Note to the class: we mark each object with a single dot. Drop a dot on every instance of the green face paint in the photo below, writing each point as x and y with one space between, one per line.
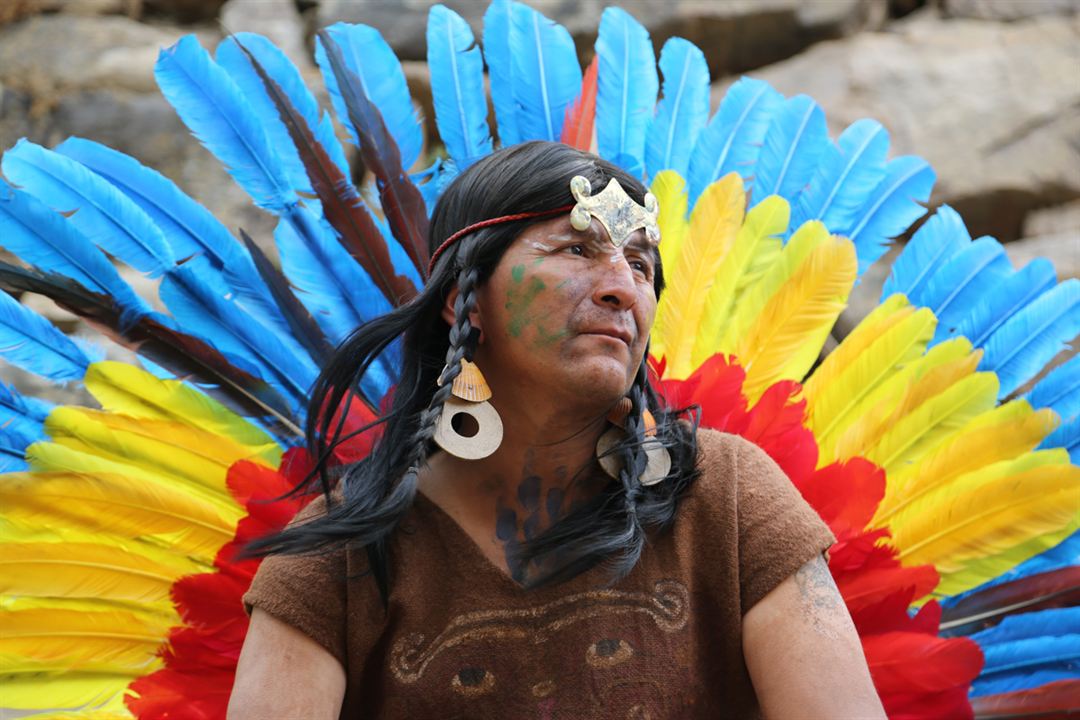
519 300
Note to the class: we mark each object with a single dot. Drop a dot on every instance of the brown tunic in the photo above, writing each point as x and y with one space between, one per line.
462 640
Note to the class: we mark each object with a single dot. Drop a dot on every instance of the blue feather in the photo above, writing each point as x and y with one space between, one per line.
682 113
101 212
46 240
277 65
368 55
941 237
626 87
547 77
896 203
216 111
1028 650
13 404
1066 436
996 306
793 145
501 70
846 176
1021 347
337 291
732 140
1060 389
13 444
34 344
203 312
188 227
962 282
431 181
457 86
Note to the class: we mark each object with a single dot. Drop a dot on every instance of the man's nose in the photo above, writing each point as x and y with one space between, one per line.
615 284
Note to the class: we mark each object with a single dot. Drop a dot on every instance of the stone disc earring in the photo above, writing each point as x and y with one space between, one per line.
469 427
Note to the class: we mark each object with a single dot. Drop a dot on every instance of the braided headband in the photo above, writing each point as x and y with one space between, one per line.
615 210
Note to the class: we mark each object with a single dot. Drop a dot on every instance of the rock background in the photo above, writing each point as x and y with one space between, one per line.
987 90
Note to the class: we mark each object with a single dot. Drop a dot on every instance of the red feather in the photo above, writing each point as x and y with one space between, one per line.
578 124
846 495
910 670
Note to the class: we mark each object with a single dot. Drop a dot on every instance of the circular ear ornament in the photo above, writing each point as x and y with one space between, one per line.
659 459
469 430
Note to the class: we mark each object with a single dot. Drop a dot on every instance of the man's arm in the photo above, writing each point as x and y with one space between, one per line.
803 652
282 673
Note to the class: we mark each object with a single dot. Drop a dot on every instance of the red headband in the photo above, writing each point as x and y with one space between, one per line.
487 223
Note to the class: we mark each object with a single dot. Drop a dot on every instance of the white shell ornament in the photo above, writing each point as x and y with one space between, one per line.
484 442
470 384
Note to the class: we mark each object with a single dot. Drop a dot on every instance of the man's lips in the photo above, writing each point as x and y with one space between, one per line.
612 332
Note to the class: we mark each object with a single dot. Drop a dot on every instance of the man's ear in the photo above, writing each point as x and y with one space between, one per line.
448 312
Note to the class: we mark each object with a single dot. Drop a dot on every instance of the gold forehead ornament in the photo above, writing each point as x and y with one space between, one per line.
615 210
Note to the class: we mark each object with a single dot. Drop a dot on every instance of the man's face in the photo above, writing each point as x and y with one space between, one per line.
568 313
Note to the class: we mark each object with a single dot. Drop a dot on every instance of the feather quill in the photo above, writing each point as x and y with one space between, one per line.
682 112
732 140
897 202
546 74
216 111
34 344
757 247
714 226
627 90
379 76
457 86
98 210
932 245
500 64
989 603
793 145
1022 346
401 201
846 176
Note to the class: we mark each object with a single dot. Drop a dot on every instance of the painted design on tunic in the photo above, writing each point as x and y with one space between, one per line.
609 661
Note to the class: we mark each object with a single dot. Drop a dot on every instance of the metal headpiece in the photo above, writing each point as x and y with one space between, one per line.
615 210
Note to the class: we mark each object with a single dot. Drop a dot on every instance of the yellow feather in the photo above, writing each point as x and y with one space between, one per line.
115 504
103 693
757 246
669 187
976 572
785 339
755 297
892 335
872 416
714 225
671 194
81 458
128 390
988 511
127 571
109 641
119 712
1003 433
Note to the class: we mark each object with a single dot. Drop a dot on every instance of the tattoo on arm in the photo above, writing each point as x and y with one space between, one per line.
819 599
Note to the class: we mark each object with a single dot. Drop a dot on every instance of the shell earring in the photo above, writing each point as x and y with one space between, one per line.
659 459
469 427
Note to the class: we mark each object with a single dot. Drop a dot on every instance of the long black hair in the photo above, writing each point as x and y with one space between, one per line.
373 495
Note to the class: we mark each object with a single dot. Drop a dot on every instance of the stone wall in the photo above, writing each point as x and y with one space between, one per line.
987 90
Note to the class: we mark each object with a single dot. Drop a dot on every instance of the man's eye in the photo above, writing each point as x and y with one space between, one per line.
575 249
